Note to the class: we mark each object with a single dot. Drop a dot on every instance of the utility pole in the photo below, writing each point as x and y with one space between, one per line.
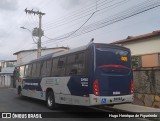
37 31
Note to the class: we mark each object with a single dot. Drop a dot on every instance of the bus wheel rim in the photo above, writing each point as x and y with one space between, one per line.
50 101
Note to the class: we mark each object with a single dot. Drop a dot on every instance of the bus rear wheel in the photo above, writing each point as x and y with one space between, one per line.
51 101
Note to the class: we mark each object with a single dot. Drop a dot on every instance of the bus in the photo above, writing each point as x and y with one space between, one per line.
91 75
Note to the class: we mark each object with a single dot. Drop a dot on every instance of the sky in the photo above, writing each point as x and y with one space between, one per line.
65 16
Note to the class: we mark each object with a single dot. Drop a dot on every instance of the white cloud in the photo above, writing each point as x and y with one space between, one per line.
3 33
8 5
69 4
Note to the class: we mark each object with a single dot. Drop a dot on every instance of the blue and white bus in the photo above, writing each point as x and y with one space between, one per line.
95 74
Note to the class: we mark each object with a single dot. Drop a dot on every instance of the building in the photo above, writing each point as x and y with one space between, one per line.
145 49
6 73
7 67
24 56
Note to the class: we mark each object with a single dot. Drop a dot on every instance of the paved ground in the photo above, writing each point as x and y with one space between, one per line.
10 102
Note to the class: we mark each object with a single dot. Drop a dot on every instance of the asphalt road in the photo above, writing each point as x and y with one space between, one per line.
10 102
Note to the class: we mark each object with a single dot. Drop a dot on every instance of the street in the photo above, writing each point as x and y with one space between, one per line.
10 102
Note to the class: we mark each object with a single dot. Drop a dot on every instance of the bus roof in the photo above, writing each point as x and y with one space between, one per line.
64 52
56 54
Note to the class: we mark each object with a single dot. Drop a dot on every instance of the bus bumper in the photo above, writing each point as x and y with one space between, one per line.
110 100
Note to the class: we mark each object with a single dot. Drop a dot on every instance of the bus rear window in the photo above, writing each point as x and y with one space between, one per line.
105 56
116 51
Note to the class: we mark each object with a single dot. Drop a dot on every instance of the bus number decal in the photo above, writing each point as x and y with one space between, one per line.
124 58
84 82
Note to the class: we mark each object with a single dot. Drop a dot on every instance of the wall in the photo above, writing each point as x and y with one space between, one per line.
147 87
5 80
6 77
150 60
145 46
8 70
24 57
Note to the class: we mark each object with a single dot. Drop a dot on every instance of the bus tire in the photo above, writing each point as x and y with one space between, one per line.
51 101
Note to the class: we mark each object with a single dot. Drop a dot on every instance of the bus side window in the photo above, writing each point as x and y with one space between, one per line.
75 64
80 63
48 69
28 70
61 66
25 70
34 68
43 69
70 70
38 69
21 71
54 67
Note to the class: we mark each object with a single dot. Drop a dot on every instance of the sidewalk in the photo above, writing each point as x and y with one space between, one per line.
136 108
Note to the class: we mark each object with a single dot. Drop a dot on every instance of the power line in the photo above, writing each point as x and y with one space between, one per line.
108 21
111 21
79 14
77 29
108 8
97 25
117 16
91 25
81 10
80 17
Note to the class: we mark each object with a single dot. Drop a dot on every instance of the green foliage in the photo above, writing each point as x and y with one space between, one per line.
136 62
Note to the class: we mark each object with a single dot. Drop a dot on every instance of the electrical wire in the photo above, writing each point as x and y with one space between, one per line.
71 33
79 14
108 8
75 30
143 7
72 15
107 21
79 17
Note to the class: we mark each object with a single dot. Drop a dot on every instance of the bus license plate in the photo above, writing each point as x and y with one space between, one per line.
117 99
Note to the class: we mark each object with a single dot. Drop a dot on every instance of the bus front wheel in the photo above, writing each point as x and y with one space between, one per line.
51 100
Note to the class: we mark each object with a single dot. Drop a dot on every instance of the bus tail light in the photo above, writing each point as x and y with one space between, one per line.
131 87
96 88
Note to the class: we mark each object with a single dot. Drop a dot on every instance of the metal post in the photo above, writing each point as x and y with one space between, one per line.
40 32
39 40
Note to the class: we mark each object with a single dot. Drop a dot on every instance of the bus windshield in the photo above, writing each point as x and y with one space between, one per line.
112 56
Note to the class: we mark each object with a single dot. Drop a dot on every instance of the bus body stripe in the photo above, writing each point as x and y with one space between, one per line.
113 66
